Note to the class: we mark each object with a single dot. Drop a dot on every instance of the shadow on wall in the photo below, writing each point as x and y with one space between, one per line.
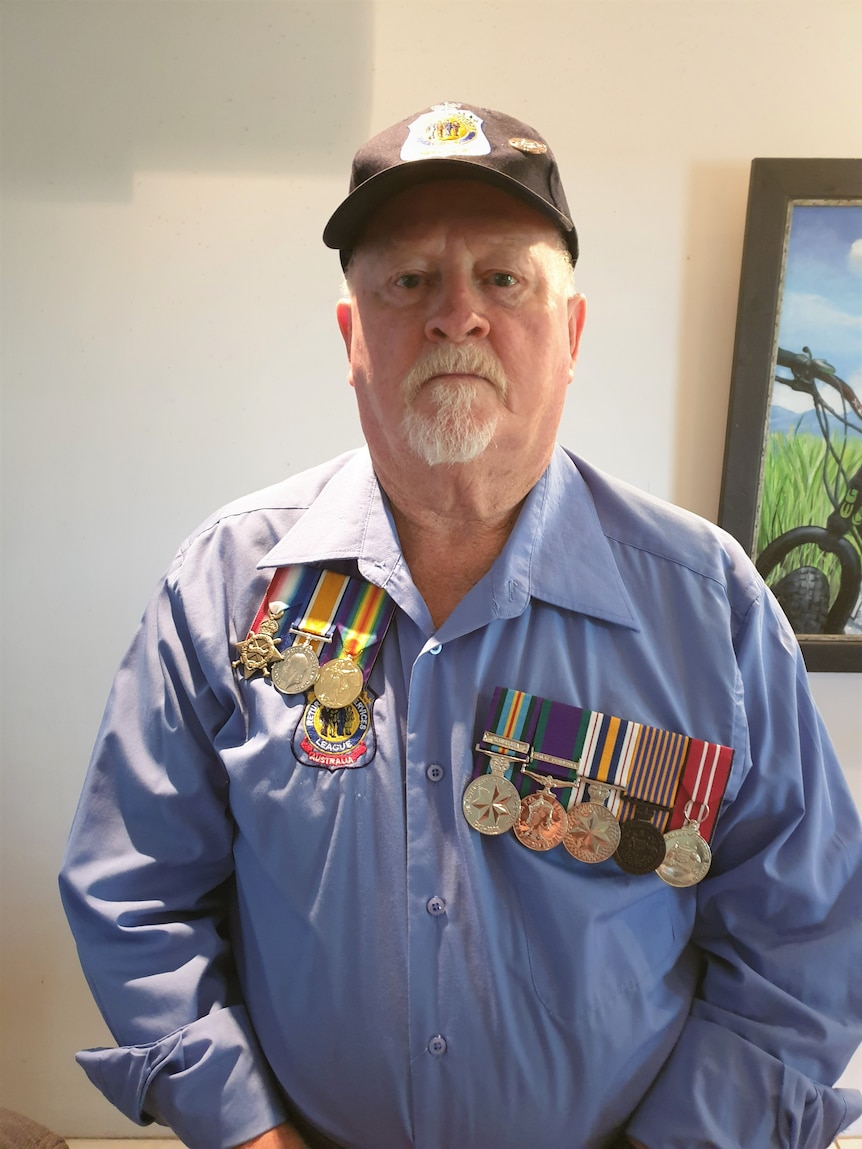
273 86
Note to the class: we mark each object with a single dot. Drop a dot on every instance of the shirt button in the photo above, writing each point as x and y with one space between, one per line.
437 1045
435 772
435 649
435 906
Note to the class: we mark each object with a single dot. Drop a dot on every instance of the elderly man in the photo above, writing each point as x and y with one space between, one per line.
453 794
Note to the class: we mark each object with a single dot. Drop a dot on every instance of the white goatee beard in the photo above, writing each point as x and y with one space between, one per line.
452 432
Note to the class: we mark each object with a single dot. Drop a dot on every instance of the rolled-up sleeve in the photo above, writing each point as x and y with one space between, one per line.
175 1080
146 885
779 924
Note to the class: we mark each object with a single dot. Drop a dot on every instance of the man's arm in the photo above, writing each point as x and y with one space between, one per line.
147 884
779 1009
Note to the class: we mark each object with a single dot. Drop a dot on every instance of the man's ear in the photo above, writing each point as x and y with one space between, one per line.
344 318
577 318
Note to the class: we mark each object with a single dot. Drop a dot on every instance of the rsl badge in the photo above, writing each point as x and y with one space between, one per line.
336 737
447 130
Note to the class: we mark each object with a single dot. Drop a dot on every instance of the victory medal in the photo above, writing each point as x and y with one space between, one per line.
339 683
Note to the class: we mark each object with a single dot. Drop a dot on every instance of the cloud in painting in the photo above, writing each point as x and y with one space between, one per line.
854 258
832 333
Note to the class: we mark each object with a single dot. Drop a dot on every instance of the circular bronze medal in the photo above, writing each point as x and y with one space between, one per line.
593 832
339 683
688 857
296 671
642 847
541 823
491 804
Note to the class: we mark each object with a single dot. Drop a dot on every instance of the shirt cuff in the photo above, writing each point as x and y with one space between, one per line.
209 1081
718 1090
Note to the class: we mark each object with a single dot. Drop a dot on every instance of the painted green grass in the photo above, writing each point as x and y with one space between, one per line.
793 495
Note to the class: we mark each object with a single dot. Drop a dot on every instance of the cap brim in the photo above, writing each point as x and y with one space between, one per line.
347 222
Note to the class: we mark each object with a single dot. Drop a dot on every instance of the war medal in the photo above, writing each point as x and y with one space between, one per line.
641 785
542 821
688 855
593 833
491 803
299 667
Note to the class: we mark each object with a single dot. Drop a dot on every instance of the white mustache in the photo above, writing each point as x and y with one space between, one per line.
452 359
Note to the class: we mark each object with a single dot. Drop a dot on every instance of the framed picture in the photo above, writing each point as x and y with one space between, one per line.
792 481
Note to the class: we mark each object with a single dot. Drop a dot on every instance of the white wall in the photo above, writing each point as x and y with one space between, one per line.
168 340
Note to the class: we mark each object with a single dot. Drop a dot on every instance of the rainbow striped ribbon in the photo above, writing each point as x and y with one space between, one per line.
365 616
345 615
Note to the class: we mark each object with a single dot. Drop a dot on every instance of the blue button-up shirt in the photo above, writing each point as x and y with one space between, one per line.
253 926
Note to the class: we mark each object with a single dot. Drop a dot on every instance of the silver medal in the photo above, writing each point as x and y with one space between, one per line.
593 832
688 856
491 803
297 670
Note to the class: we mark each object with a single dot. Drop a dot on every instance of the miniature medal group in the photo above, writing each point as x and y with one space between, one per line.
589 831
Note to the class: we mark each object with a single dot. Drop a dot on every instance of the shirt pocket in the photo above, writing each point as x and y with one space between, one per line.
598 938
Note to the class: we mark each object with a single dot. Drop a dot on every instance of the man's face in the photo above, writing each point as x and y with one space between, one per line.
462 330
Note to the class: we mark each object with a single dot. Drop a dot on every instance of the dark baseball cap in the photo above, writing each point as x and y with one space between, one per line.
451 141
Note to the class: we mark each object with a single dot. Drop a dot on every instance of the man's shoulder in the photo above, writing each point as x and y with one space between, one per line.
252 524
634 519
285 500
294 493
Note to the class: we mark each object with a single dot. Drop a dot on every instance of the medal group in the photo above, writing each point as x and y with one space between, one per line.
553 774
626 791
338 623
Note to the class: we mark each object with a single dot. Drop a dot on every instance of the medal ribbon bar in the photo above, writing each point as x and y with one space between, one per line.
654 776
318 622
532 727
642 764
291 586
704 778
313 605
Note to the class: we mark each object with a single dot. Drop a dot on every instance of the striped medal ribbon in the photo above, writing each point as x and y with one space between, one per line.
324 612
688 856
530 753
361 625
290 587
312 631
624 783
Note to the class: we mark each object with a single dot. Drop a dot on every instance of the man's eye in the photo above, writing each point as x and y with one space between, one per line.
410 279
503 279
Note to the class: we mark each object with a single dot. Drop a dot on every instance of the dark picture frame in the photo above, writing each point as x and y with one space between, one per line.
763 475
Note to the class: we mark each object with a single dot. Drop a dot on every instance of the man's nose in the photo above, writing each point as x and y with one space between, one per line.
457 314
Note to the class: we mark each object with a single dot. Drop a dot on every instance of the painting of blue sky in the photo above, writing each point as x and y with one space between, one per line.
821 302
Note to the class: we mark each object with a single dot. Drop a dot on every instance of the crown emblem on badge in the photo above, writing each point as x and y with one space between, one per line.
448 130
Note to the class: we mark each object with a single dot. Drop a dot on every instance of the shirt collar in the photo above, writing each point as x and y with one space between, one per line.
348 520
557 551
